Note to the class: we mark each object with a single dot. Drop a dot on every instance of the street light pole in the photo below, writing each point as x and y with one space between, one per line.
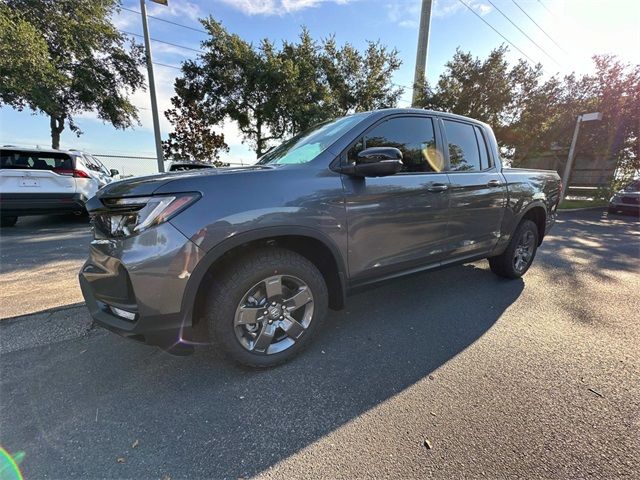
152 86
585 117
423 48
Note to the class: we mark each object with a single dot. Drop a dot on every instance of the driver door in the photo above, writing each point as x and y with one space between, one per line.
398 222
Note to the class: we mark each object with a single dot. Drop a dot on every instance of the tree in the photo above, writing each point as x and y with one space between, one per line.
529 115
357 81
74 60
192 138
238 82
25 70
511 99
275 92
614 90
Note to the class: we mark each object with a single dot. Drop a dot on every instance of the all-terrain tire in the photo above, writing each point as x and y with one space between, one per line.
229 287
504 265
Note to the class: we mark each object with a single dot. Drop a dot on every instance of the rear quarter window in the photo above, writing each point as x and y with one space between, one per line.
27 160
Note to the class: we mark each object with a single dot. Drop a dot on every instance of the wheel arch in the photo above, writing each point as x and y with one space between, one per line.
537 213
311 244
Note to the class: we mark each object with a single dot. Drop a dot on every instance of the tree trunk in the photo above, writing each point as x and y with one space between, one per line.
57 126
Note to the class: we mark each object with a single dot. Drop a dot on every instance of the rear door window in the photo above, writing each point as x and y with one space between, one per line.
91 163
485 160
101 165
28 160
464 154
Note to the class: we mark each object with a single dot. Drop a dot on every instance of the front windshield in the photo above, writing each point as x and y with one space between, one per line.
633 187
307 145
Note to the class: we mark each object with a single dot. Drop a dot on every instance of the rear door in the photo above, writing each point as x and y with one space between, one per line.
26 171
477 189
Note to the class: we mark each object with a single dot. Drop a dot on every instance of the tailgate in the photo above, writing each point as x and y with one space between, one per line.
36 172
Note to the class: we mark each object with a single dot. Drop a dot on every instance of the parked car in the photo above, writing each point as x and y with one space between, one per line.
188 165
36 181
251 258
626 200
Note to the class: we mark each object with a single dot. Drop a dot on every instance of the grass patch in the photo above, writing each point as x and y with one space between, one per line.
582 203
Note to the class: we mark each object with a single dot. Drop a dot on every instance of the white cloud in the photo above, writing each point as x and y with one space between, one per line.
125 20
176 9
406 13
276 7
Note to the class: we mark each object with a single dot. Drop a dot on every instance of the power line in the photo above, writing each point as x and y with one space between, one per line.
545 7
163 41
522 31
493 28
168 21
166 66
541 29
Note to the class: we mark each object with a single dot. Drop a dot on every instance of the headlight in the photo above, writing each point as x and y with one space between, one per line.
128 216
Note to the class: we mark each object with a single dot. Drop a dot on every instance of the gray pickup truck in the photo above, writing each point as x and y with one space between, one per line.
249 259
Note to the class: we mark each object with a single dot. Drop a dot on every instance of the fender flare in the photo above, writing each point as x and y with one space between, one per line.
535 204
530 206
215 253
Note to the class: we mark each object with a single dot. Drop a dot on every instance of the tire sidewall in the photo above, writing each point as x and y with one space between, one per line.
221 315
526 225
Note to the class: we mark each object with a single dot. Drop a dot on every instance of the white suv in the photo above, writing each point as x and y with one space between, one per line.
35 181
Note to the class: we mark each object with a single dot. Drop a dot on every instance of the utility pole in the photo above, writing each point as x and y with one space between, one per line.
585 117
152 83
423 48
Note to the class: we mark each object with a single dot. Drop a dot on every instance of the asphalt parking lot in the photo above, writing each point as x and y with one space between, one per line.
534 378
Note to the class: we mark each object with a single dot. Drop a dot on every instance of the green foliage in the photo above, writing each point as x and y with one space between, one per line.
192 138
529 115
25 70
275 92
64 57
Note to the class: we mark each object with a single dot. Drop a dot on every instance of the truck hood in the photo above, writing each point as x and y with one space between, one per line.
142 186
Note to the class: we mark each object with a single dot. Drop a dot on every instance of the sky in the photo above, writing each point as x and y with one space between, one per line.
577 29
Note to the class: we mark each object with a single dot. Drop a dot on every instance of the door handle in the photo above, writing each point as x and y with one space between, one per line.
437 187
494 183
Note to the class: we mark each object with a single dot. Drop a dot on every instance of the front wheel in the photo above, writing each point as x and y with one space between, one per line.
265 307
517 258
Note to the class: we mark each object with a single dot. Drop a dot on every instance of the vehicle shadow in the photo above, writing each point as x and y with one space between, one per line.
84 403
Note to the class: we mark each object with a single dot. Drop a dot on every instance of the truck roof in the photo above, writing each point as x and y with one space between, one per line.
386 111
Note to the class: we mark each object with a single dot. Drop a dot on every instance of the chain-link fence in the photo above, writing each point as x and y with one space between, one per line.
129 165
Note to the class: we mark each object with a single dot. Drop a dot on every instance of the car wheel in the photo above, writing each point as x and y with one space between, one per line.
517 258
612 210
265 307
8 221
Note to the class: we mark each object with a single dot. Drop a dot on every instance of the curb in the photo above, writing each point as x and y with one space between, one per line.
582 209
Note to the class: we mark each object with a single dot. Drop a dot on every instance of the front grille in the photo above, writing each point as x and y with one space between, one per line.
631 200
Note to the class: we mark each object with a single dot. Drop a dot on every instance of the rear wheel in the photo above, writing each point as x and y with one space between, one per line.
517 258
8 221
265 308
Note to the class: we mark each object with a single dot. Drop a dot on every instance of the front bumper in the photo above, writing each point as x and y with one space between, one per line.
135 286
20 204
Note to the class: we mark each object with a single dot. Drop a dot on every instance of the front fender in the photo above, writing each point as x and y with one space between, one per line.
217 252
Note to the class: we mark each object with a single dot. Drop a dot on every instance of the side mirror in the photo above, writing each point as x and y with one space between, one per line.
114 172
376 162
